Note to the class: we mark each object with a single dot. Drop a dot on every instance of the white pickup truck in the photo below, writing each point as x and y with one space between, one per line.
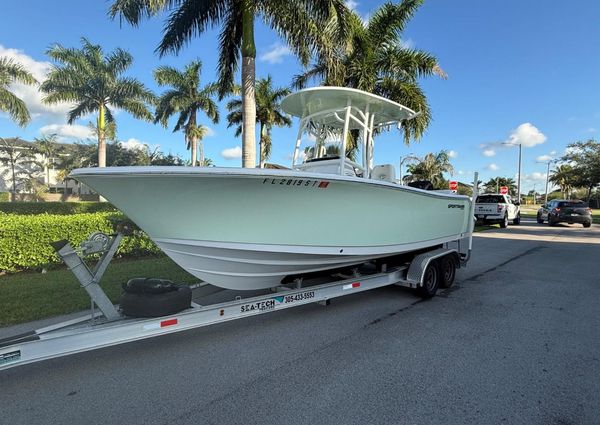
496 208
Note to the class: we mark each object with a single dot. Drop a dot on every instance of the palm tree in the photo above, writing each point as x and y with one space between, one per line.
268 114
49 149
93 81
375 60
494 184
564 177
431 167
186 98
16 156
11 72
294 20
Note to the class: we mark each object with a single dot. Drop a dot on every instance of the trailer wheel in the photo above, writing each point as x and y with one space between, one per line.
447 267
431 281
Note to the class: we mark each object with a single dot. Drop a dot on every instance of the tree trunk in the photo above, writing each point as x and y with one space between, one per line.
200 153
262 147
101 138
248 81
13 195
101 144
190 129
194 145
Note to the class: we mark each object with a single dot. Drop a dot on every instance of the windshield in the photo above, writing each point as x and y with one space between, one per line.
574 204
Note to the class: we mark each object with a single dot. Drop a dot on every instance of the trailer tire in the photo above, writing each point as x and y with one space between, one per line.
156 305
447 268
431 281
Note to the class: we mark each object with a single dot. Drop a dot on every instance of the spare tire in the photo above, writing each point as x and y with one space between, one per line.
148 285
156 304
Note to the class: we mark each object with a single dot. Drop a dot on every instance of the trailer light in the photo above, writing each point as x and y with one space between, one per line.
169 322
351 286
557 209
221 312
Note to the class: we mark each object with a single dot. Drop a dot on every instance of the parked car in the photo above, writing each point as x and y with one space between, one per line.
563 211
496 208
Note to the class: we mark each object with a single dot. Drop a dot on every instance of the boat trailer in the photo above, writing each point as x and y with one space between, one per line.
425 272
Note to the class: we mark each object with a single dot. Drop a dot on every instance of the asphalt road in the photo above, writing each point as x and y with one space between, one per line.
516 341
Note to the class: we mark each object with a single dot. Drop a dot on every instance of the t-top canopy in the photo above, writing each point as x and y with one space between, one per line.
326 102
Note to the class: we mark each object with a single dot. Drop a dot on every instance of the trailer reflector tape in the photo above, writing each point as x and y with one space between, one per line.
158 325
169 322
351 286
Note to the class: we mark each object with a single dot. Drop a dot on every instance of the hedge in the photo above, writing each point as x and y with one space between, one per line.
4 196
63 208
25 239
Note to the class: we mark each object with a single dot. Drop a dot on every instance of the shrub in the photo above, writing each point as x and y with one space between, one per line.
4 196
25 239
62 208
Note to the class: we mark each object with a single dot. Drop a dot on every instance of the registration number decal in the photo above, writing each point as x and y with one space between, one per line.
321 184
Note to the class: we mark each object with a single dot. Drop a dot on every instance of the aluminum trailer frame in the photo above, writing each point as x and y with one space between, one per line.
77 335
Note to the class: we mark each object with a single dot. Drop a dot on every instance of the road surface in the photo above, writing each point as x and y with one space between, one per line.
515 341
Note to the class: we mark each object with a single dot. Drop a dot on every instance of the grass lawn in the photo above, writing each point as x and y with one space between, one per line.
28 296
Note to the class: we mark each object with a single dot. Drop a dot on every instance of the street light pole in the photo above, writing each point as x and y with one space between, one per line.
547 176
519 180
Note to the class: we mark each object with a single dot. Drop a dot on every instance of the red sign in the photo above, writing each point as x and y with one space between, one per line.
453 186
504 190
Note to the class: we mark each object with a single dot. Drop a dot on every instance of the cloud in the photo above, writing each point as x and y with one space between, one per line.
492 167
351 4
489 152
209 132
407 44
461 173
232 153
275 53
30 94
133 144
544 158
526 135
591 130
66 131
452 154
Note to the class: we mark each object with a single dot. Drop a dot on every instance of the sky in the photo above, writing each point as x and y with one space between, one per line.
519 71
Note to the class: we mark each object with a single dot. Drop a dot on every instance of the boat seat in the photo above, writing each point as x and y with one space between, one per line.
385 172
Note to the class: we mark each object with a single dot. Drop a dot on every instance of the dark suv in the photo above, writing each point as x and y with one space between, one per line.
562 211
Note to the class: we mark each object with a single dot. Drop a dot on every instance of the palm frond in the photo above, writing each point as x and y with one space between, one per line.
15 107
230 41
191 18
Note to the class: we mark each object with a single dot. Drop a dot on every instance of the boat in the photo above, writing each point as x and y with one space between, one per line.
245 229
